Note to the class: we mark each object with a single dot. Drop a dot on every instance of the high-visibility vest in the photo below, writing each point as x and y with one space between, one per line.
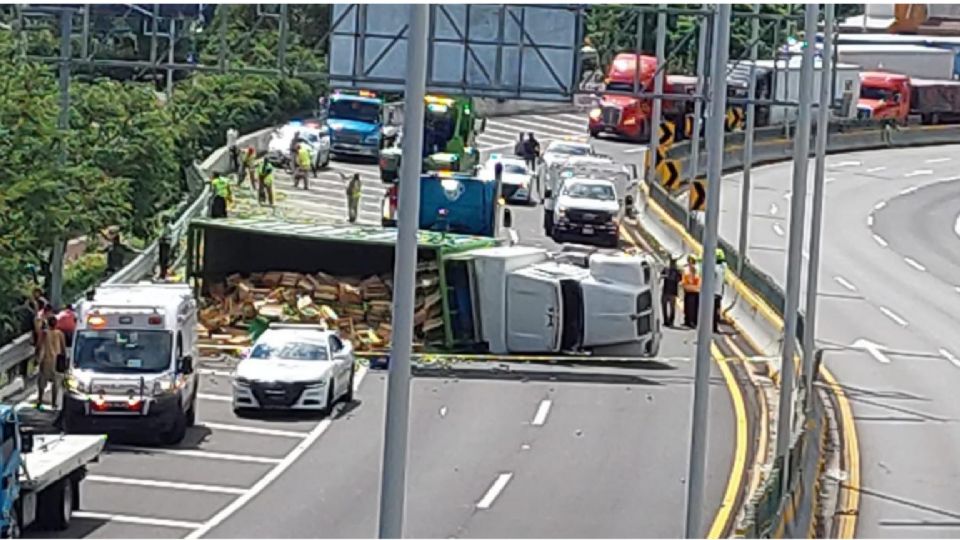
690 281
265 172
221 187
303 157
353 189
248 158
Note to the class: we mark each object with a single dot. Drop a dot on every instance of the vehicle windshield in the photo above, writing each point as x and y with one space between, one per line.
597 192
291 350
512 168
569 149
348 109
439 121
879 94
124 351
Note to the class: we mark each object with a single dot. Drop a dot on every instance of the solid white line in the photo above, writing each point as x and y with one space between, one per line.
909 190
215 372
214 397
876 169
164 485
846 284
256 430
896 318
274 473
541 416
846 164
136 520
915 264
937 160
949 356
773 209
778 229
880 205
880 240
183 452
918 172
870 220
494 491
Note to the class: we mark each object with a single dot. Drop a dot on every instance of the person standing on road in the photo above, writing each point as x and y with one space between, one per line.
691 293
354 190
520 149
719 284
165 247
264 174
294 144
53 351
247 170
234 150
67 324
303 166
221 196
671 285
531 152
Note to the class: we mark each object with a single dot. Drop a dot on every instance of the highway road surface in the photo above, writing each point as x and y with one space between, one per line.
513 450
889 313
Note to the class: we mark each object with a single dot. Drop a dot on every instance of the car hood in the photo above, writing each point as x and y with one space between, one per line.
283 370
588 204
351 126
516 179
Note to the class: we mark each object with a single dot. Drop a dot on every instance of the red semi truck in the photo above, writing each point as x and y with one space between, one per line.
627 116
895 96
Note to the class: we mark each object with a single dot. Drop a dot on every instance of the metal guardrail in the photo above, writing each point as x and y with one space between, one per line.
15 357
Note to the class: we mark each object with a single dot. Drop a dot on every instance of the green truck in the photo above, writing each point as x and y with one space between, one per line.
450 129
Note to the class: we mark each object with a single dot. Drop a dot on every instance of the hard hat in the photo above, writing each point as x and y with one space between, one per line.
720 256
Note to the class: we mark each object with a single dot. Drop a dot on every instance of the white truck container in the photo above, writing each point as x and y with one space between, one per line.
786 86
911 60
528 301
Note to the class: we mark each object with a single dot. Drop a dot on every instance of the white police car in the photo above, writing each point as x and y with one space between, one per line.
294 367
316 137
518 181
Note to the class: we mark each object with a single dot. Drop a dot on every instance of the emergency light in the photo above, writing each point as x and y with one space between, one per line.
96 321
434 107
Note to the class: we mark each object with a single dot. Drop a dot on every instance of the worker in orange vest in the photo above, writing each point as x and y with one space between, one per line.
691 292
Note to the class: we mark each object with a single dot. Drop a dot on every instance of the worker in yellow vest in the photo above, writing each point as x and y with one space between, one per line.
302 166
222 195
264 174
247 162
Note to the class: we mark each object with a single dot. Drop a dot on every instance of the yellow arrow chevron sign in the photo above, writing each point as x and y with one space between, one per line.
661 156
698 195
669 174
668 134
735 118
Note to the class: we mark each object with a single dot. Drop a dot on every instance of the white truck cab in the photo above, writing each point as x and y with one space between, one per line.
623 177
132 365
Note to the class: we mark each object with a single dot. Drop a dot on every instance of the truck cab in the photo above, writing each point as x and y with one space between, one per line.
450 129
450 203
355 123
132 366
884 96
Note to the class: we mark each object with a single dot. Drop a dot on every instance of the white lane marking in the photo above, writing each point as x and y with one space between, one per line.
215 372
846 164
495 138
937 160
542 411
956 226
541 128
873 349
915 264
256 431
880 205
635 150
576 117
214 397
494 491
918 172
829 179
909 190
136 520
879 239
956 289
787 195
870 220
774 209
896 318
949 356
274 473
581 124
876 169
184 452
845 284
372 171
163 484
778 229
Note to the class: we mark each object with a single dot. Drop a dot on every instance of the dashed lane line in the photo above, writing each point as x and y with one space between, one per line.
879 239
876 169
915 264
190 453
778 229
543 410
214 397
950 356
274 473
909 190
937 160
256 431
136 520
918 172
161 484
845 284
495 489
893 316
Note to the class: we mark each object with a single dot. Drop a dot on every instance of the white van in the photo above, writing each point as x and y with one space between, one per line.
132 365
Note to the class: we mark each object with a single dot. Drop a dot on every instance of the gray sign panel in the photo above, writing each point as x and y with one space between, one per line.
484 50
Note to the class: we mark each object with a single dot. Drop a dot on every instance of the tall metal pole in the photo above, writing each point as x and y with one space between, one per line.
284 32
171 59
745 186
655 118
695 136
816 220
63 124
801 154
701 389
393 475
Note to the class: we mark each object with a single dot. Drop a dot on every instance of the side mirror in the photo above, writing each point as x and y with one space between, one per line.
507 218
186 364
26 440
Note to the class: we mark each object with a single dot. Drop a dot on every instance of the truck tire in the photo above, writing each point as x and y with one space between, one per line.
192 414
56 505
178 431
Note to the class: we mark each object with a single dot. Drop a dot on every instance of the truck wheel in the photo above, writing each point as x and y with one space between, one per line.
56 505
178 431
192 415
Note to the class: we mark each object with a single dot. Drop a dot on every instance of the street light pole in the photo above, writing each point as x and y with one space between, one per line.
393 474
63 124
801 155
657 115
816 220
701 388
745 186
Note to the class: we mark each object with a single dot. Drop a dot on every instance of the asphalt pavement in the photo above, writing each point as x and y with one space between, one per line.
550 450
889 309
